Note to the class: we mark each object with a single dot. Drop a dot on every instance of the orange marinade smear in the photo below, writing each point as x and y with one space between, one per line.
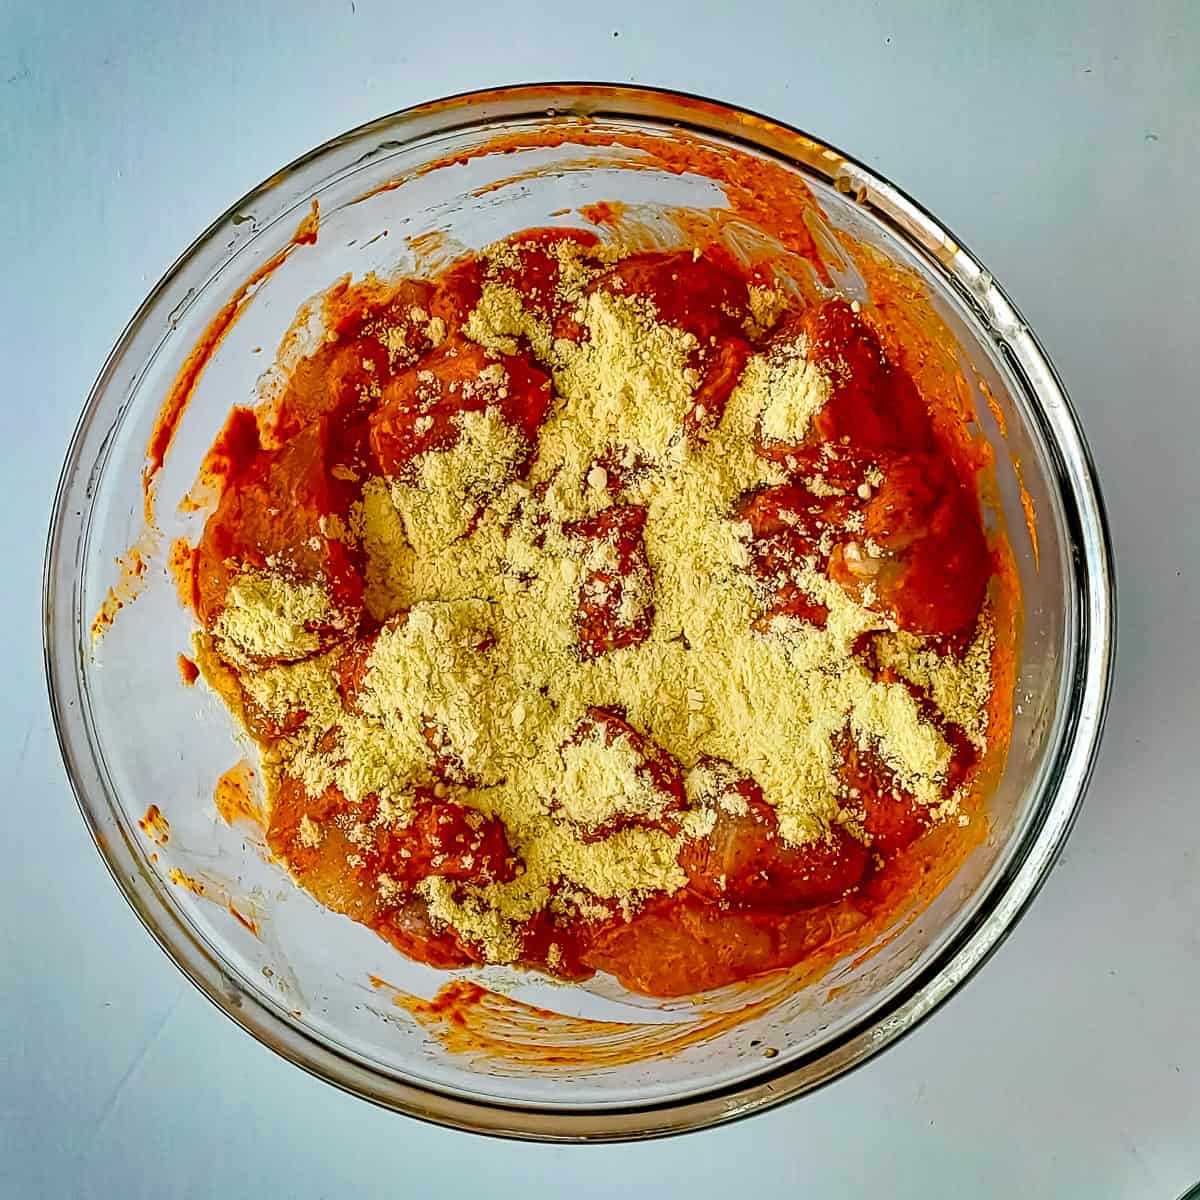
287 476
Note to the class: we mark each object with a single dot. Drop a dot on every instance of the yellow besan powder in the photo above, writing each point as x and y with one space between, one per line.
960 688
481 583
268 616
767 305
790 389
439 505
602 781
390 562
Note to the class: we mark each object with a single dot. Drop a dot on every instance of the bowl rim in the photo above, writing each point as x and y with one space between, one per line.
1010 893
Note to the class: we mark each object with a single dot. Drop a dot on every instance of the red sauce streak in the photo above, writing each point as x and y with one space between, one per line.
190 882
244 921
128 586
176 403
155 826
760 192
477 1022
1028 509
181 565
604 212
234 795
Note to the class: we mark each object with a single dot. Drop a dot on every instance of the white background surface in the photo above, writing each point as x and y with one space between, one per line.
1060 141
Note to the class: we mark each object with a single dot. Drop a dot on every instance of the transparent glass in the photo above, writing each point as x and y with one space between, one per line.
132 735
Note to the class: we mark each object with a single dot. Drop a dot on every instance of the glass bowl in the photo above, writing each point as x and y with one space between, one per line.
531 1059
